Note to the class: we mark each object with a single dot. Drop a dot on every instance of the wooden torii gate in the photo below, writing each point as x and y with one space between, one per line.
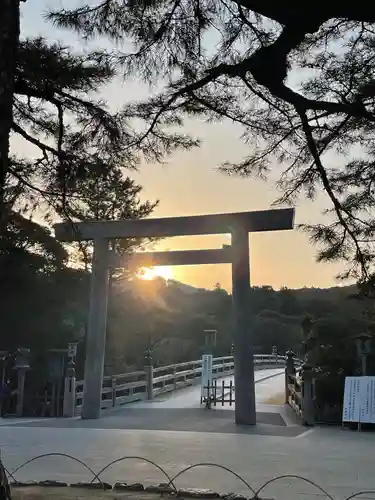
239 225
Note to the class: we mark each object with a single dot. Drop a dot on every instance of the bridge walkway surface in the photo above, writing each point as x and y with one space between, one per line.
189 397
177 437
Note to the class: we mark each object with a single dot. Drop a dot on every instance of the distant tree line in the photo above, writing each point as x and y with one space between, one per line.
47 304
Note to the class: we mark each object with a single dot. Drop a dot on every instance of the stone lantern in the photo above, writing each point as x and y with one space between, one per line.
363 345
22 365
209 341
274 352
290 367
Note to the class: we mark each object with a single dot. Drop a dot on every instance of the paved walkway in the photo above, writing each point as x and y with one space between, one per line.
340 461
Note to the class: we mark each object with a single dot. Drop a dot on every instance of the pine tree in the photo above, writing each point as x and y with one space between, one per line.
9 41
75 136
81 152
249 76
111 196
78 141
81 147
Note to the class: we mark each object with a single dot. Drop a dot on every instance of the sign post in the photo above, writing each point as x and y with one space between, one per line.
206 380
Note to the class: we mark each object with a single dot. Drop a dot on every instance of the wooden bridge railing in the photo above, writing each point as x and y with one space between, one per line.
294 386
299 390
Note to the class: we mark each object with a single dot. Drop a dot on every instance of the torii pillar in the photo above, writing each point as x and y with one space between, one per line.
96 331
245 411
237 224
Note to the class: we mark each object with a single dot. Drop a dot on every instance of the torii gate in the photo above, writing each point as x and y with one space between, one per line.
236 224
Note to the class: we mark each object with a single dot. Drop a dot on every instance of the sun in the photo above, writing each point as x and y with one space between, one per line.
151 273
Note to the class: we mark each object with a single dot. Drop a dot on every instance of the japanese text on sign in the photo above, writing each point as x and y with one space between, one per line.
359 400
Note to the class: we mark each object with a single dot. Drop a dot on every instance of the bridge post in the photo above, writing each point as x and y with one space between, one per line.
149 370
289 370
245 412
307 403
96 332
69 403
113 387
174 378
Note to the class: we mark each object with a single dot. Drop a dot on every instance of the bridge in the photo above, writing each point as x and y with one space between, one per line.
150 383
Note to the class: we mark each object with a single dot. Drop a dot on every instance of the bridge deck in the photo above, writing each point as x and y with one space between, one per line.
190 396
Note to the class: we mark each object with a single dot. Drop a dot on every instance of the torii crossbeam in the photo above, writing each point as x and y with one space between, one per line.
239 225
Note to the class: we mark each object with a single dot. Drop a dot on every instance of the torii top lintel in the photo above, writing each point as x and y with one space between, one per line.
192 225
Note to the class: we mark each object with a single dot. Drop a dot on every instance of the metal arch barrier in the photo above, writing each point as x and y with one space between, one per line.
135 386
170 487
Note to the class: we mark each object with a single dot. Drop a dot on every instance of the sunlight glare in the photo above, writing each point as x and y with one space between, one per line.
151 273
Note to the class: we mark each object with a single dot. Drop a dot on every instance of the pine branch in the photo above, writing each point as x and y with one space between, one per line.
327 186
42 146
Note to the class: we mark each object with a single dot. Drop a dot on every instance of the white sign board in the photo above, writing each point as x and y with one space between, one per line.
367 415
359 400
352 403
206 380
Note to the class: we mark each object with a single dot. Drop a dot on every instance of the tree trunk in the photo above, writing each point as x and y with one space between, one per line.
9 40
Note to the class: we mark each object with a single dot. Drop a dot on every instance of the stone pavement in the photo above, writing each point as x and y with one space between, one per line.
178 419
342 462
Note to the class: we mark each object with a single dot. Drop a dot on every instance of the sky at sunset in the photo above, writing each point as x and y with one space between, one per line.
190 184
